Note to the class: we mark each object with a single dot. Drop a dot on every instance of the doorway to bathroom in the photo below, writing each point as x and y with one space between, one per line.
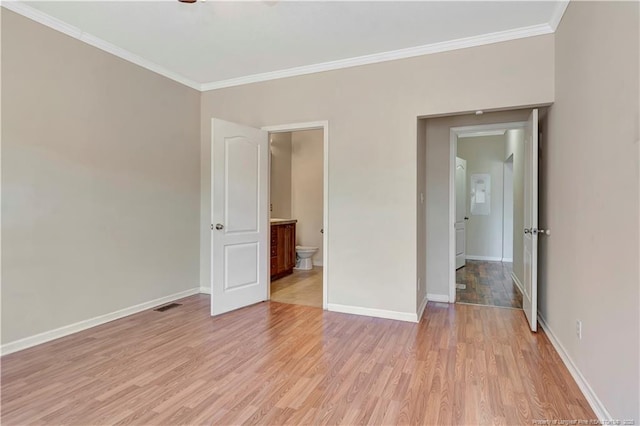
298 212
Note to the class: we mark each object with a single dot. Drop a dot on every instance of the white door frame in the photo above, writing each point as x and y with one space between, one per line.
454 134
313 125
460 223
505 198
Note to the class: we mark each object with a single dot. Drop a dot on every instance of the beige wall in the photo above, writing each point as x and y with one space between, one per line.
372 113
280 183
589 200
437 190
515 146
484 154
306 188
100 182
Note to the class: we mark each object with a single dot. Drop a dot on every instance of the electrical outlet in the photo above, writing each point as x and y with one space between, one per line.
419 283
579 329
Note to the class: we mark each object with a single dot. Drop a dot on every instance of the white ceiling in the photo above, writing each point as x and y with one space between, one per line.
215 44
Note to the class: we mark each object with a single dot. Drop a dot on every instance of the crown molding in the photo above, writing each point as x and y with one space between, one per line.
58 25
557 15
410 52
462 43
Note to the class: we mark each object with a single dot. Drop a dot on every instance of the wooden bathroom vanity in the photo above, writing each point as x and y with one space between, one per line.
283 247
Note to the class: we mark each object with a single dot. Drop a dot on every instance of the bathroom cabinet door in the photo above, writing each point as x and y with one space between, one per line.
283 250
280 249
289 246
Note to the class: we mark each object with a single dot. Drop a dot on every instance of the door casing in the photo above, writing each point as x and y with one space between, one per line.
460 222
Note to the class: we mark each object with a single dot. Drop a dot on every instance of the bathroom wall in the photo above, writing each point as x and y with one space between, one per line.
307 188
280 175
484 154
514 145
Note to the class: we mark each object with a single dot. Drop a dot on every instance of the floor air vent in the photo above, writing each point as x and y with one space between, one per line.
167 307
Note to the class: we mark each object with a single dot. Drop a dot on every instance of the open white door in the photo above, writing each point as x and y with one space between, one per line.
239 216
530 296
461 211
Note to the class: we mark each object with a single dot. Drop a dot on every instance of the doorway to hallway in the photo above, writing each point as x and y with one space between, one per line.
438 256
485 201
482 282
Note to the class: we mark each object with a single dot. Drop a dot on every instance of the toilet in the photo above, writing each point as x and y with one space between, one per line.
303 257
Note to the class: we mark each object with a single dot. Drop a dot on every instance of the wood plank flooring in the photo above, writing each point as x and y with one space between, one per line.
299 288
275 363
488 283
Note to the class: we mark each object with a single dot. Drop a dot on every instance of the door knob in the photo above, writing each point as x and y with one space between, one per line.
219 226
536 231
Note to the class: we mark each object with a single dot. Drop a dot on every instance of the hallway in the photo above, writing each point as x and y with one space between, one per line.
487 283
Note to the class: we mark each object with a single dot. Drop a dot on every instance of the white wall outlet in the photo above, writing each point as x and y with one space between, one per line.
419 283
579 329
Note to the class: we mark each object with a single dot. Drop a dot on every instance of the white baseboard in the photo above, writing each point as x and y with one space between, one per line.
443 298
423 305
596 405
486 258
372 312
507 260
205 290
47 336
518 283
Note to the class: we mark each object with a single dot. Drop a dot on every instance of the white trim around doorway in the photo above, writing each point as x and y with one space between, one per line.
313 125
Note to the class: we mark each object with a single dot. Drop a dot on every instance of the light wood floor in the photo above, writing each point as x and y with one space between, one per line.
299 288
276 363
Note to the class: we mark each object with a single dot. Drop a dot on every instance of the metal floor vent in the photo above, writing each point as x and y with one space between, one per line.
167 307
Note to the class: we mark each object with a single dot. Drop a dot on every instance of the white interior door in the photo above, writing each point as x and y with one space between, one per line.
461 211
530 296
239 216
